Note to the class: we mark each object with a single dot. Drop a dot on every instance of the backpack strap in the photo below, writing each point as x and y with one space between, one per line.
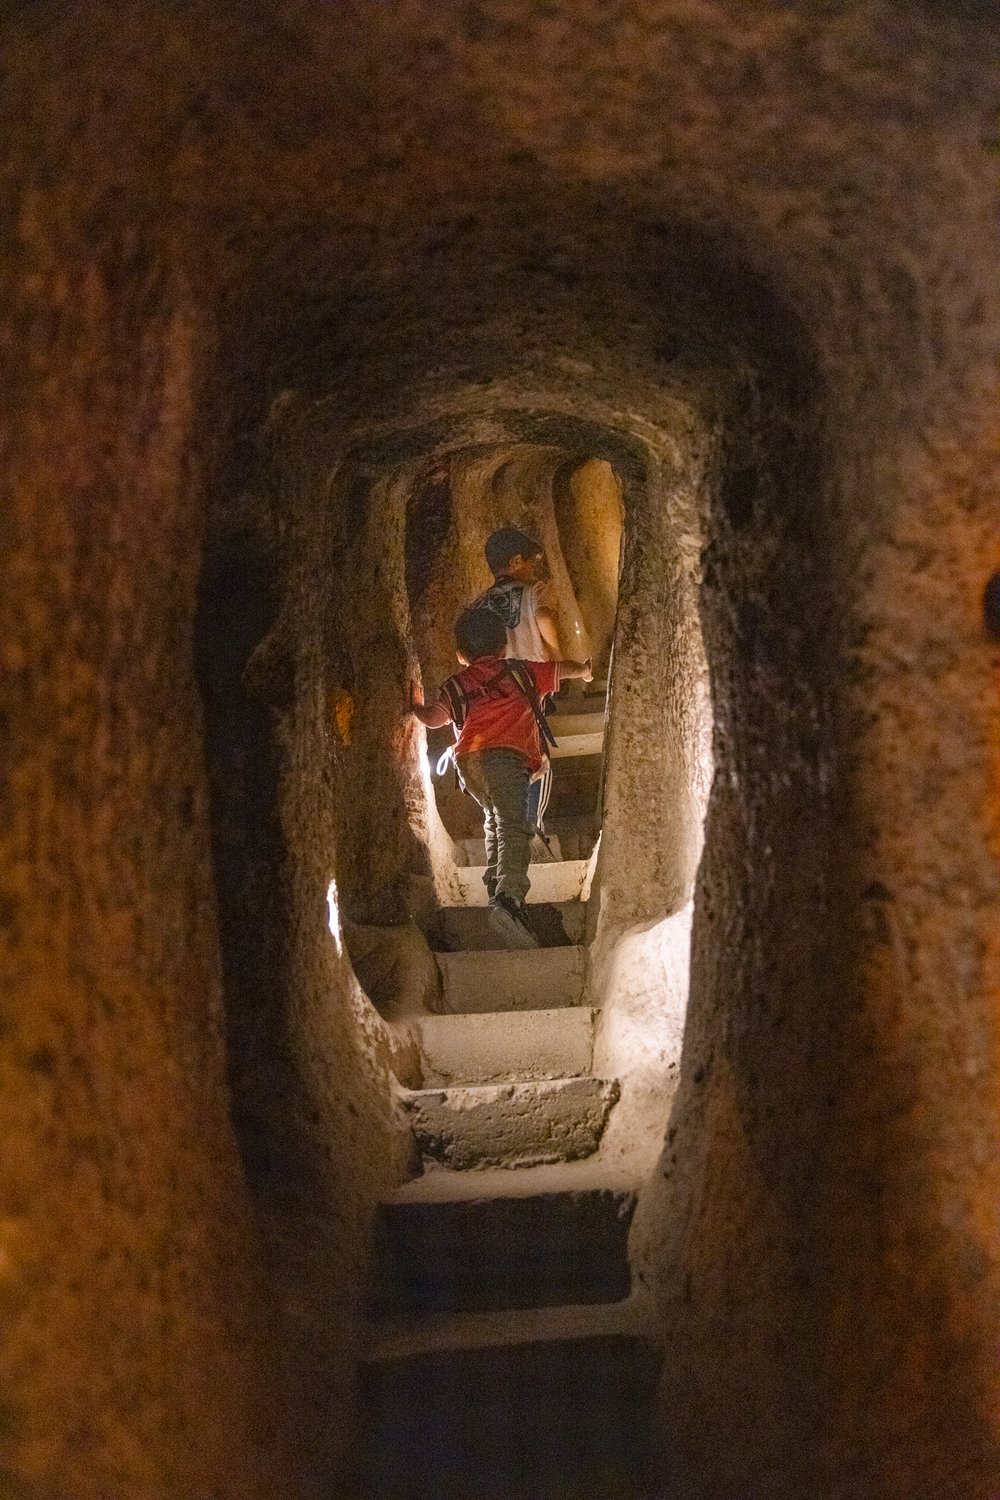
522 676
458 701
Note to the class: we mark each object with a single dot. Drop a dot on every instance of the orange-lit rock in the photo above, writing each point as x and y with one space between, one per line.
276 280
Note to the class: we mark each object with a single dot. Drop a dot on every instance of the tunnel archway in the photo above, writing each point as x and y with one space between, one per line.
712 494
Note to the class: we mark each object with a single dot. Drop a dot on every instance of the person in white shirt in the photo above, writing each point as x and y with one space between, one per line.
518 595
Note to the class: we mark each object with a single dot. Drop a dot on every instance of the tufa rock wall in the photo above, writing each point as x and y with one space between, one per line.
764 233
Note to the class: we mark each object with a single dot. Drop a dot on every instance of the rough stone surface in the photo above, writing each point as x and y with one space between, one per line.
311 1062
556 882
495 1047
745 254
137 1353
511 980
642 983
395 968
511 1124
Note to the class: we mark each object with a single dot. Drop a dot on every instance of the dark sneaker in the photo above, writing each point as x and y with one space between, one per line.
547 925
509 919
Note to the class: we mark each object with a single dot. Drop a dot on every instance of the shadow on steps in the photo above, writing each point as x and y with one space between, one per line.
561 1419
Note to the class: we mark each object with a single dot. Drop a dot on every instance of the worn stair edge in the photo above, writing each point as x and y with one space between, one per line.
470 853
485 1047
439 1185
511 980
577 745
560 880
471 1126
466 929
403 1337
584 720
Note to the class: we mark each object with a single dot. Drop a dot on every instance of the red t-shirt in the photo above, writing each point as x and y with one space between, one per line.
501 717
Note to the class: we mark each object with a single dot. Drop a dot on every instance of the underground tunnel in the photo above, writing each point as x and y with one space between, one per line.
307 1189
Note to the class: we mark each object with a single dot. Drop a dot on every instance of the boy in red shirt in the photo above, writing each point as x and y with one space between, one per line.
497 751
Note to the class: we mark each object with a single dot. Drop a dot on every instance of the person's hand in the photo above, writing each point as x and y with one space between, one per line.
588 676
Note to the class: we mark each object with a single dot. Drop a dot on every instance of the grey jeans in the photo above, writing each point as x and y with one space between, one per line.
498 779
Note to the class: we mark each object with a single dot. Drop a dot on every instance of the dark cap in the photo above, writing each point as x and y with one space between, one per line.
509 542
480 632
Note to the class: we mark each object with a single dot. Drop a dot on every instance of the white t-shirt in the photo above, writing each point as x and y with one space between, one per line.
517 605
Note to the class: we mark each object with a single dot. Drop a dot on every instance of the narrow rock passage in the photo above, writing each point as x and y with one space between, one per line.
506 1360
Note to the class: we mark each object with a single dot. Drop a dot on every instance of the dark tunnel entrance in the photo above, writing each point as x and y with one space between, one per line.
369 527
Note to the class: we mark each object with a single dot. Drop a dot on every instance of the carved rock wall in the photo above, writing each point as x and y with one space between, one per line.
761 233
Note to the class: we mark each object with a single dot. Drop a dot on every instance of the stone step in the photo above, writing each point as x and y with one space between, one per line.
550 1405
580 779
590 704
572 723
574 691
558 880
471 851
510 1124
397 1336
467 928
492 1048
577 745
509 1250
580 843
514 979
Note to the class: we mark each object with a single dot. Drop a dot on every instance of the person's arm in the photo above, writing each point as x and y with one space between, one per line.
432 715
582 669
548 630
545 619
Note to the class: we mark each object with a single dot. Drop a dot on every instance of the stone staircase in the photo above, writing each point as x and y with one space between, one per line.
505 1359
573 816
465 928
554 883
